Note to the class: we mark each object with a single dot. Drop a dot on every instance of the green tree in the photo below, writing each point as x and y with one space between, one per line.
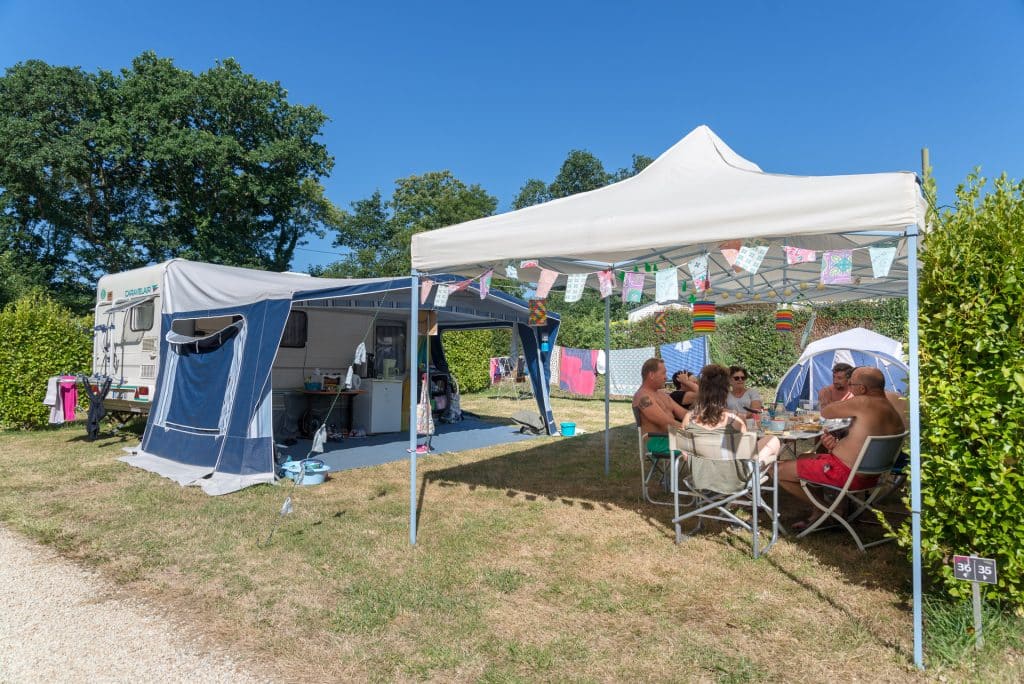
640 162
581 171
379 232
101 172
534 191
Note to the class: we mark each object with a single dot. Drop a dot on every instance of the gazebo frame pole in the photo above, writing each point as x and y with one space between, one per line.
915 443
414 343
607 375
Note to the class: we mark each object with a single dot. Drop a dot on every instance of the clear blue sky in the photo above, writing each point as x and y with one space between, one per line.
500 92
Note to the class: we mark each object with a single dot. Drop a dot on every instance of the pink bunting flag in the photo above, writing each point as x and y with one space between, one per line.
460 286
730 250
795 255
837 267
529 263
605 283
633 287
485 283
547 279
426 285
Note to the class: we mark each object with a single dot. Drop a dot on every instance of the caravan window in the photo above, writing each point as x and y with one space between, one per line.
141 318
295 330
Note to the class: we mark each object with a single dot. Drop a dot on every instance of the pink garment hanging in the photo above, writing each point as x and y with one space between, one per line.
68 395
576 371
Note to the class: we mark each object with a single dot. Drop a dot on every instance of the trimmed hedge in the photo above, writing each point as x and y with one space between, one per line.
41 338
468 353
972 388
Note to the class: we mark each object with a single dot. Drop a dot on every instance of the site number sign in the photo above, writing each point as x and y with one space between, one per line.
974 569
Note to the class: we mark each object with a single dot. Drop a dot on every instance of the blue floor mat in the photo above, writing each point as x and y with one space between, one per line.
359 452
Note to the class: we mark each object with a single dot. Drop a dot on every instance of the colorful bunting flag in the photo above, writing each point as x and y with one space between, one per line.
703 317
730 250
605 283
441 298
784 318
666 285
795 255
529 263
574 285
485 283
538 312
460 286
547 279
511 273
426 285
633 287
881 260
699 273
837 267
750 258
661 323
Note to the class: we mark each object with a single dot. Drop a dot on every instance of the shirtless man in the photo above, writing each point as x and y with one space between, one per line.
657 410
839 390
873 414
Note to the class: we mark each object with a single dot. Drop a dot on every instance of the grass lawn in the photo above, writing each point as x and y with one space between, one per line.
531 564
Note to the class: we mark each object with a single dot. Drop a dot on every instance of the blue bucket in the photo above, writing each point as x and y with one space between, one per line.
568 429
315 471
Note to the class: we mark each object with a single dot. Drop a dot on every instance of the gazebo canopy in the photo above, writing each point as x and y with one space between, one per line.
694 197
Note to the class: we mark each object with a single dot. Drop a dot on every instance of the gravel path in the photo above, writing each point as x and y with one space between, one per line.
62 623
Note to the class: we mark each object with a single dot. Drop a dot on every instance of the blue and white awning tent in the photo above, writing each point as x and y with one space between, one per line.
211 419
679 210
856 347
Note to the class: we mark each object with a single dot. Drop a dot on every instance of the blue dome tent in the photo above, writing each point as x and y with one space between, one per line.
857 347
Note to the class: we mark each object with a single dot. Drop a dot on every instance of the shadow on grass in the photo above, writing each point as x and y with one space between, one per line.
571 471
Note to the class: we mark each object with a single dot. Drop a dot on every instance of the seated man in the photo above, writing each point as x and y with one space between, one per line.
685 392
839 390
873 415
656 410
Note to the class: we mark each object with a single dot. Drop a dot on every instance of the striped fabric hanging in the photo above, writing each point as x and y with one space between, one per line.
703 317
784 319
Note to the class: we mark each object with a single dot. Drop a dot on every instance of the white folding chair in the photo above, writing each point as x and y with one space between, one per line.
722 469
875 460
653 465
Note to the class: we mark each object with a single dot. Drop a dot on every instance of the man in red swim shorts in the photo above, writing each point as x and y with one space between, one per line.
873 414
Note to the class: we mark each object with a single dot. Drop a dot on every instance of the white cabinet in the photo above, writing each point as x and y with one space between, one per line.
380 408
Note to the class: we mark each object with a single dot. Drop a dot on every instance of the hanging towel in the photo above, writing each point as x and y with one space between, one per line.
360 354
319 439
624 369
576 371
602 362
556 359
68 390
51 400
688 355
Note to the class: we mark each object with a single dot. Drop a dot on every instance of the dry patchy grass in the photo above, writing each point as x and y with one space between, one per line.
531 564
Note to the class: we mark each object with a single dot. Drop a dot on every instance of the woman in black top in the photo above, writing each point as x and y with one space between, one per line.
685 388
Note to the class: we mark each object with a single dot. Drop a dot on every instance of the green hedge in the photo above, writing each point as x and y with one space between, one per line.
972 388
40 338
468 353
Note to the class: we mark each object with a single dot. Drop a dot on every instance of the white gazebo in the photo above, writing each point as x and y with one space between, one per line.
696 200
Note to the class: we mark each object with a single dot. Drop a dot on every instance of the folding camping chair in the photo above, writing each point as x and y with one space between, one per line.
876 459
722 470
653 465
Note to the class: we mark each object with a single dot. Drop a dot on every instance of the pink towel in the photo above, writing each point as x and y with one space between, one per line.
576 371
68 396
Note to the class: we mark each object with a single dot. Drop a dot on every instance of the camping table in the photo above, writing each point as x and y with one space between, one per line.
313 395
789 439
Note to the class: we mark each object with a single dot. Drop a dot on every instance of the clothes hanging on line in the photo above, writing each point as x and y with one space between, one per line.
624 369
577 371
555 360
689 355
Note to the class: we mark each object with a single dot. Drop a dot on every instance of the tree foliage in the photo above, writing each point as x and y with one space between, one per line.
972 387
581 171
379 232
102 172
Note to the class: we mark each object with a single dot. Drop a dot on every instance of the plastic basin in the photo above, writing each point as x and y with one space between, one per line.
568 429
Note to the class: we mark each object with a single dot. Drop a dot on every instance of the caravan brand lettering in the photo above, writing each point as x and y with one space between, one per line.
139 291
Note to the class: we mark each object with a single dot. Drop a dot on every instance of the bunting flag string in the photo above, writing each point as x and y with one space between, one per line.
441 298
605 283
633 287
837 267
881 260
485 283
426 285
574 287
460 286
511 273
666 285
699 272
547 279
529 263
750 258
795 255
730 250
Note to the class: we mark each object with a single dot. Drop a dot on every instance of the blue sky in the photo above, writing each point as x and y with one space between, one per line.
500 92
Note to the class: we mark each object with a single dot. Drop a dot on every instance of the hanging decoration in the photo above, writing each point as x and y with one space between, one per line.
666 285
511 273
699 272
441 298
784 318
750 258
703 317
529 263
661 323
730 250
460 286
485 283
837 267
795 255
426 285
575 282
538 312
881 259
605 283
633 287
544 283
